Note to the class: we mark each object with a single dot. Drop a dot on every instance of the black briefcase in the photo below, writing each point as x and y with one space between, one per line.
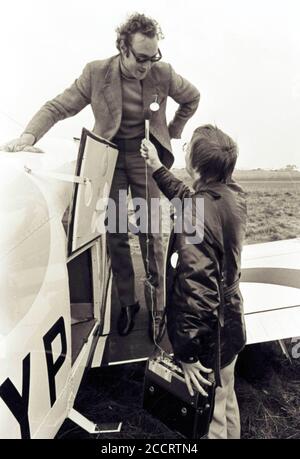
167 398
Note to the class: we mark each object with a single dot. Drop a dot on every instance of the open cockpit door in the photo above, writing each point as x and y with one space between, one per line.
87 259
94 172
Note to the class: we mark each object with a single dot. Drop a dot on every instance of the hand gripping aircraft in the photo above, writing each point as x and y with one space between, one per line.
56 289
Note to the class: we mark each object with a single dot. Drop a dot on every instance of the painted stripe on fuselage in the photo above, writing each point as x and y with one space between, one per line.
278 276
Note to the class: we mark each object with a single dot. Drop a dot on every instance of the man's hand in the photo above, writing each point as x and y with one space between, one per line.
23 143
149 153
192 375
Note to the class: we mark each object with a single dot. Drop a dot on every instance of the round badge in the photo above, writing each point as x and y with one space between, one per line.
154 107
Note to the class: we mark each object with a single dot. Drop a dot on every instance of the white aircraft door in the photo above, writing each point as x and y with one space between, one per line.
95 167
87 258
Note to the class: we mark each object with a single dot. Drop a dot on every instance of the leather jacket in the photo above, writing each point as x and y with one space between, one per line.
193 283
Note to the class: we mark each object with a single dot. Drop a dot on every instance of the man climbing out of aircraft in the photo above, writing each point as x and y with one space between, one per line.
204 305
121 90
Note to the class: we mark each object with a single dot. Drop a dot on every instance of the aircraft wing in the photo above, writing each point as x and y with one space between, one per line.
270 285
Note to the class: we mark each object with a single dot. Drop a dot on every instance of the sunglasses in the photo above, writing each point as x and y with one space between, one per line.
142 60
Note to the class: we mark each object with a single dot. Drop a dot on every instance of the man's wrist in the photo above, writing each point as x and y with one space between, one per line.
27 139
156 166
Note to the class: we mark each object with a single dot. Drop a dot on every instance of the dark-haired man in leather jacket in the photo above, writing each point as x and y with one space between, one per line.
194 307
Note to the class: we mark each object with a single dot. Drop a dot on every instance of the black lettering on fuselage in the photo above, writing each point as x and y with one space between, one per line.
17 403
53 367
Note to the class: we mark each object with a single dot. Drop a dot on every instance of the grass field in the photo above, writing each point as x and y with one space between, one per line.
273 210
273 203
267 385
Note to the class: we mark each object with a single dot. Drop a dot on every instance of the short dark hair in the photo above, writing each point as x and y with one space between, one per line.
138 23
213 153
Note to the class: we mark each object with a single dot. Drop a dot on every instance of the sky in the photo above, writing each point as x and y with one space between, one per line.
243 56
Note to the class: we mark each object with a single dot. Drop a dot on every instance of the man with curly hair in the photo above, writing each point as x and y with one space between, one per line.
120 90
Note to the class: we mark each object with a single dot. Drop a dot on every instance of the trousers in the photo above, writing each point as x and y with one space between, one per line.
225 423
131 174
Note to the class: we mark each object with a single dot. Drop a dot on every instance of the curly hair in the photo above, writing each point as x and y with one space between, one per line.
213 153
138 23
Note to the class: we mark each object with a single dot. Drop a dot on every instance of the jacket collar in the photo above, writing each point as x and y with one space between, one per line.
112 88
215 189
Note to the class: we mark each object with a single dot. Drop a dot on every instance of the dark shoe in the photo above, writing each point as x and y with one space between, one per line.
157 326
126 319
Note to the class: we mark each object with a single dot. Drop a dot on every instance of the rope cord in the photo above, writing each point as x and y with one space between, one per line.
148 275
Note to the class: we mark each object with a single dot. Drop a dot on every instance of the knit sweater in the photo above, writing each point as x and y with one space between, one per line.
132 123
